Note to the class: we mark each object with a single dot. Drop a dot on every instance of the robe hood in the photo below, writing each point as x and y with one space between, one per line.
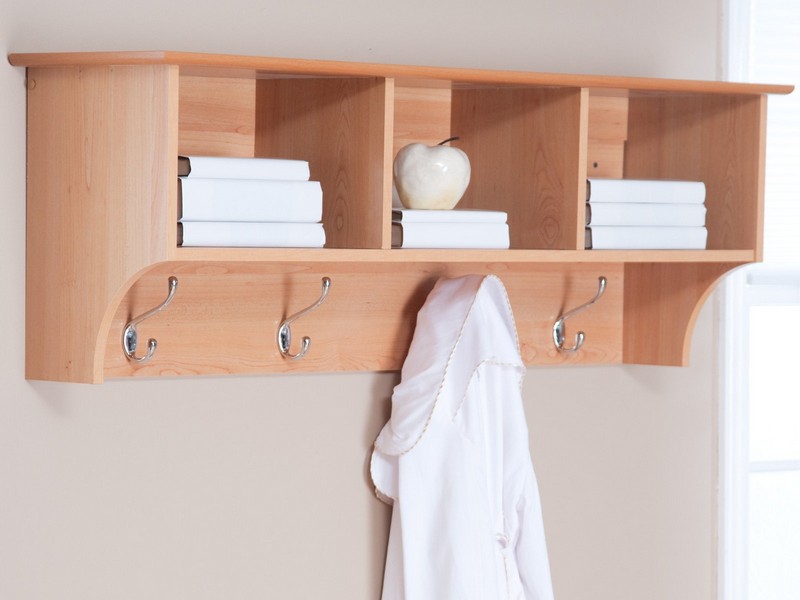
464 323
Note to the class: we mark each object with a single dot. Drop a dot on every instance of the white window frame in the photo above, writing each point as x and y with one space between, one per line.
755 285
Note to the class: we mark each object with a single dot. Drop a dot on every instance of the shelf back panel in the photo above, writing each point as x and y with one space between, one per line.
216 116
343 127
527 147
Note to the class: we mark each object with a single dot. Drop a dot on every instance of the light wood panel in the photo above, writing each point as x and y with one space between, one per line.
608 131
216 116
662 302
198 63
421 114
716 139
105 128
527 148
350 257
343 127
98 205
366 323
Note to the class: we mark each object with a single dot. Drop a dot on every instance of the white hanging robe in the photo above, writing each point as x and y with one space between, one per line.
454 458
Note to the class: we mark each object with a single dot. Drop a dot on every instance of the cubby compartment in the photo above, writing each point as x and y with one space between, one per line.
341 126
526 145
104 131
715 138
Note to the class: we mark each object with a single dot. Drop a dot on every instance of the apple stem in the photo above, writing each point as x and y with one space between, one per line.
450 139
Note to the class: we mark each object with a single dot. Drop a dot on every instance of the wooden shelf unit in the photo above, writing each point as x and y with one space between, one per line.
104 130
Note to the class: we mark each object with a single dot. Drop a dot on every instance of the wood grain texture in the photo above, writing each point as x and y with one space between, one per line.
366 323
343 128
98 205
527 148
662 302
104 130
421 114
715 139
216 116
608 132
346 257
199 63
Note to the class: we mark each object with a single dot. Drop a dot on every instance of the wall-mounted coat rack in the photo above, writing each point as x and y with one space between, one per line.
115 241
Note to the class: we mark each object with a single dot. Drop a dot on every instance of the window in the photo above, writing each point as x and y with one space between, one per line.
760 323
760 441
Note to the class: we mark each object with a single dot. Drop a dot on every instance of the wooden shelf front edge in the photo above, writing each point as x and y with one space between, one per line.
198 63
478 256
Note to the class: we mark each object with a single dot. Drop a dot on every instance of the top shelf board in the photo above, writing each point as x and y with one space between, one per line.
202 64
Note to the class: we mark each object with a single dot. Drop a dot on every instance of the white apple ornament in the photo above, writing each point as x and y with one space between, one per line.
431 177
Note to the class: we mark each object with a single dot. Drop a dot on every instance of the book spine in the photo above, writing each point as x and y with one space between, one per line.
646 238
652 214
450 235
249 200
225 167
641 190
449 216
251 235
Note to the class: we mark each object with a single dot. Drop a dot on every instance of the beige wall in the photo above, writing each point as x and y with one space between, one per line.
255 487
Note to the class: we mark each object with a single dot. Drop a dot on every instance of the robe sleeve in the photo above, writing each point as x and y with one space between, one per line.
531 548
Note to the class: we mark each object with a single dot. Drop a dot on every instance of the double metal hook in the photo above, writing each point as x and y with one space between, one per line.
284 337
558 326
130 336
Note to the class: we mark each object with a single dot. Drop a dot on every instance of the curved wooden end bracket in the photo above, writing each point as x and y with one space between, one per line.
662 302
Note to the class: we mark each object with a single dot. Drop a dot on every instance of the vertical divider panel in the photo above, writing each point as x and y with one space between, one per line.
527 147
342 126
100 208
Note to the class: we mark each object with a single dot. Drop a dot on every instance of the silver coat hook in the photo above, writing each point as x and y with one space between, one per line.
285 331
130 335
558 326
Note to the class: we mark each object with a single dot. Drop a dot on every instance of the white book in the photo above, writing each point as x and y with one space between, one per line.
645 213
450 235
646 238
462 215
249 200
645 190
251 235
229 167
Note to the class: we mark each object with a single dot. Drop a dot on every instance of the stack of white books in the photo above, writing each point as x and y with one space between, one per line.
645 214
465 228
248 202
